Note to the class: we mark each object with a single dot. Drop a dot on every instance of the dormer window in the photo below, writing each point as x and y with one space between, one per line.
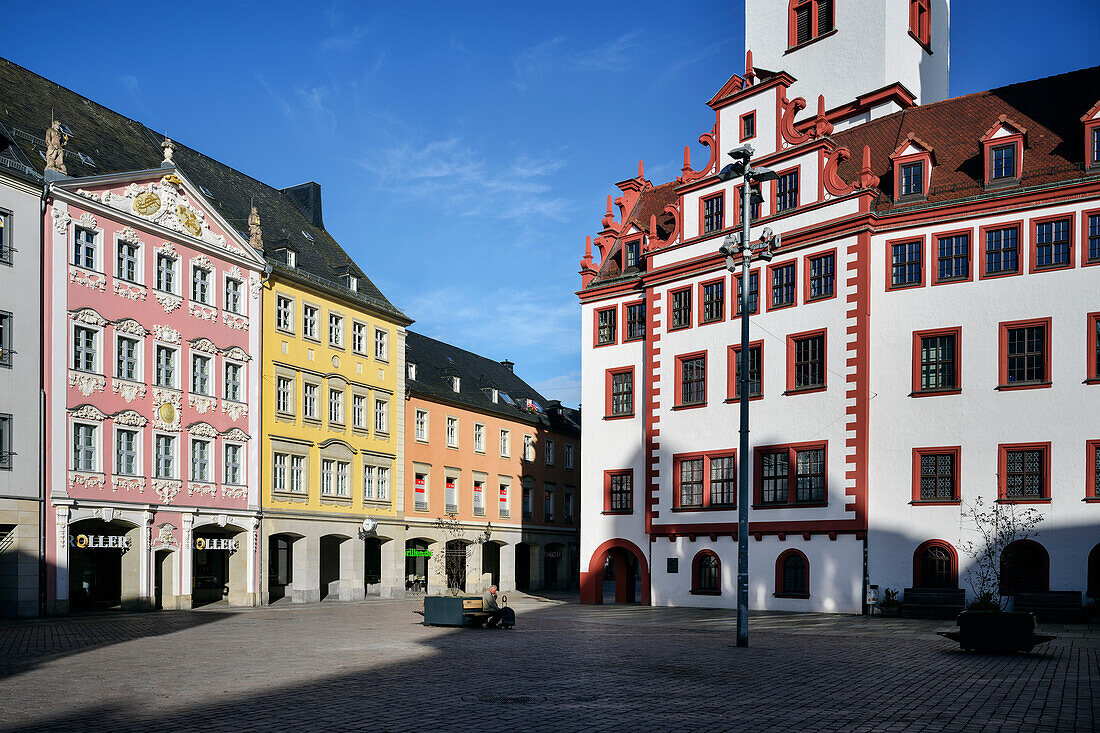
1092 137
912 179
1002 148
632 252
411 370
455 384
913 161
495 396
351 282
1094 146
290 257
1003 162
807 20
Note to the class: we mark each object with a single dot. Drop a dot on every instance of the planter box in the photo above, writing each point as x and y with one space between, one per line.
997 631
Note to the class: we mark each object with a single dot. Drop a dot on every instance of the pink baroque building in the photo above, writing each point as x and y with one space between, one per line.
151 340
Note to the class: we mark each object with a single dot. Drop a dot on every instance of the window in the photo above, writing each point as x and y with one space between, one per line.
1092 253
605 326
335 330
935 565
166 367
297 474
5 237
381 347
806 361
1002 162
126 448
284 314
84 349
706 574
680 308
1025 354
278 472
569 451
822 276
714 301
912 178
792 575
359 412
381 416
84 248
233 465
786 191
232 382
1002 251
754 292
200 460
284 387
200 285
127 363
783 285
705 480
713 213
368 482
309 322
452 432
5 339
936 358
166 274
935 475
505 443
479 497
1093 339
382 486
808 19
748 126
5 442
233 295
420 422
620 392
479 438
733 370
529 448
456 383
84 444
359 339
691 374
165 464
503 508
328 471
528 500
633 253
567 505
309 401
635 318
953 257
1094 148
343 469
1092 468
336 406
1053 245
906 266
791 475
548 503
126 266
334 478
549 453
200 374
920 12
619 491
1024 472
291 257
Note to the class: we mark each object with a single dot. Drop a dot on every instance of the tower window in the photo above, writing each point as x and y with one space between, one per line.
809 19
920 14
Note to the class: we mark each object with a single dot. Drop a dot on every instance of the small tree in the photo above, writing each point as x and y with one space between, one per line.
454 572
998 526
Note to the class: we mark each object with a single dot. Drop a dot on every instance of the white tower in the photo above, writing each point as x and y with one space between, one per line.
846 49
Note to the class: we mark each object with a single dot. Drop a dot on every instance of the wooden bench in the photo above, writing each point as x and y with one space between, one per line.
1057 606
943 603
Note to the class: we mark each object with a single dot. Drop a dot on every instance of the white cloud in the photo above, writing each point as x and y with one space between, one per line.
344 41
564 387
617 55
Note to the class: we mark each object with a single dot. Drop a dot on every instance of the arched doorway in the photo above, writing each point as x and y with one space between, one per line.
627 565
104 566
490 561
280 565
935 565
1092 589
1025 568
372 565
219 565
455 567
331 551
417 557
554 562
164 571
523 566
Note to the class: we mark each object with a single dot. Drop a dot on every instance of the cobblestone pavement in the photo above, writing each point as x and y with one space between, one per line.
372 665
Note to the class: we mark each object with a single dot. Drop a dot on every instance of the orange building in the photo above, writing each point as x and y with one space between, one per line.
491 476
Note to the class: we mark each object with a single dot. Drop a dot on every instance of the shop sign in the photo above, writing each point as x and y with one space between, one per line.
215 543
99 541
418 553
420 486
553 554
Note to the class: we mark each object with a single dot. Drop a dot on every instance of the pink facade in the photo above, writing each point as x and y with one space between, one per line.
151 367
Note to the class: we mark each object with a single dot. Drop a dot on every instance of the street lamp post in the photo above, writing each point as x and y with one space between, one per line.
735 249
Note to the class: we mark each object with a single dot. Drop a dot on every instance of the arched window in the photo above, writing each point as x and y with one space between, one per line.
792 575
706 574
1092 590
807 20
920 17
935 565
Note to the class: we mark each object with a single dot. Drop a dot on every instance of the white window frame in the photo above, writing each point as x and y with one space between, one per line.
328 476
479 438
505 443
284 406
297 473
6 426
7 323
208 361
175 352
284 313
548 491
567 507
94 459
310 314
381 345
343 479
6 238
335 330
427 474
241 464
196 281
161 257
96 349
136 259
97 253
452 431
478 502
280 469
173 456
359 412
420 422
239 309
529 447
335 406
381 416
138 353
382 483
226 364
137 433
451 493
309 400
205 478
359 337
504 508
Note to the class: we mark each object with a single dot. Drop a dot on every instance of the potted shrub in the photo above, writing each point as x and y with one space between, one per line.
889 605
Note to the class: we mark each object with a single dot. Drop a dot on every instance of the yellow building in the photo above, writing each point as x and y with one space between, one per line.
333 425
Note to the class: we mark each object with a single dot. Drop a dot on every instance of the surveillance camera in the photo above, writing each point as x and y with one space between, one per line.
767 255
744 152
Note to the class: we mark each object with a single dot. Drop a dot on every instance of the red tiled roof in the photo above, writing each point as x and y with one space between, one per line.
651 202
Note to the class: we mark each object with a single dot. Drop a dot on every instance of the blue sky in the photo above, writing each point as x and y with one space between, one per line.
464 150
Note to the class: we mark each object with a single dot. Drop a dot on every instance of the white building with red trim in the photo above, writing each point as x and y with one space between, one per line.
926 335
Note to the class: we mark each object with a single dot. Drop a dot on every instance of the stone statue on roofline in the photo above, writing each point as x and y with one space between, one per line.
55 148
169 148
255 234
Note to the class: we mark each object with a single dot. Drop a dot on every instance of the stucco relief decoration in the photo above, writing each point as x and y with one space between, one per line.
130 327
87 480
236 435
166 489
234 273
202 430
61 220
87 383
87 412
236 353
129 390
107 514
130 292
169 302
234 321
166 536
88 316
88 279
235 410
168 249
207 489
163 203
131 418
167 334
233 492
202 262
204 345
202 404
128 484
203 313
87 221
129 234
687 175
254 286
166 409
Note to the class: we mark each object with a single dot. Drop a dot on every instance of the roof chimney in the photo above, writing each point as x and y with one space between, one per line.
308 198
508 365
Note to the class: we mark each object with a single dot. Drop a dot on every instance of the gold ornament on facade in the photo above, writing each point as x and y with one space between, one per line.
146 204
189 220
173 179
168 413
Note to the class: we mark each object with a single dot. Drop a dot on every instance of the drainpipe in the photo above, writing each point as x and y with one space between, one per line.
42 578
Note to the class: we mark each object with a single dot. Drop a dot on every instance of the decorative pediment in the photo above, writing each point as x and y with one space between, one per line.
1092 114
236 353
129 234
337 443
1003 127
131 327
235 434
234 272
202 430
204 345
166 334
168 249
87 221
913 145
88 316
87 412
131 418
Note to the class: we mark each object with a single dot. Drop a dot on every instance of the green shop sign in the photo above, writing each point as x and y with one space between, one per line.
418 553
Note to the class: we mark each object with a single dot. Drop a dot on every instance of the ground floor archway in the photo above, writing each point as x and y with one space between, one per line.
219 565
629 571
280 565
104 565
417 559
1025 568
523 566
490 561
555 566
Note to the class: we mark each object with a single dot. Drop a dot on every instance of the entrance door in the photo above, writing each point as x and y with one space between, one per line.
523 566
210 573
456 565
490 561
416 566
372 565
162 577
95 579
280 566
330 562
1025 568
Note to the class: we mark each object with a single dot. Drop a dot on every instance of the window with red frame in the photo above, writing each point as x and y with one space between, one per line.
1094 347
1094 157
1025 472
786 191
748 126
706 574
712 213
1052 245
622 392
619 491
693 380
705 480
1026 349
631 254
792 575
1093 236
822 276
937 475
635 321
754 292
920 15
905 264
791 476
606 325
912 179
1002 251
681 308
953 257
783 285
756 385
937 360
809 19
808 353
935 566
714 301
1002 163
1094 469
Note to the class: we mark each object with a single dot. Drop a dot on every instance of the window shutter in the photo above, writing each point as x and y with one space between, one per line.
802 23
824 16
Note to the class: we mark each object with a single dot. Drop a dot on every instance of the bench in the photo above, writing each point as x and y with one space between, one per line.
1057 606
942 603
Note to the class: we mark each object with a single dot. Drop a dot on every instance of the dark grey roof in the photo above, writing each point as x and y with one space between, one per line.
117 144
437 362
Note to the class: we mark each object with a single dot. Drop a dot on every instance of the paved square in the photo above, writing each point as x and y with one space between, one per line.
372 665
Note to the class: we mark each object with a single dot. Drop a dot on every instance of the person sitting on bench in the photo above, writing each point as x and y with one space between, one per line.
489 603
